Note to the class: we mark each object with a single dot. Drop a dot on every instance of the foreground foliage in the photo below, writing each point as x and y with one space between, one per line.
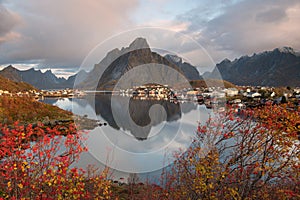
38 164
253 155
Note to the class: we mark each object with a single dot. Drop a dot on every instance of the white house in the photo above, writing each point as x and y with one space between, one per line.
253 94
273 94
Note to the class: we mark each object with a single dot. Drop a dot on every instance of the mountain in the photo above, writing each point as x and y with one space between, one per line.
11 73
143 65
189 70
38 79
280 67
34 77
167 69
13 86
81 75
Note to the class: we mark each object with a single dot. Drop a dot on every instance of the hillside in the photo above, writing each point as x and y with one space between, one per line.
27 110
12 86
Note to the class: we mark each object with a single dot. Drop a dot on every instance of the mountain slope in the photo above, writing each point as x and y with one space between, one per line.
280 67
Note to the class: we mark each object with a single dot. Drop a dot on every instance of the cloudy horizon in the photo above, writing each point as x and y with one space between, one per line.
58 35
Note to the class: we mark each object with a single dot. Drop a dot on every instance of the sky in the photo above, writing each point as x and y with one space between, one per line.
58 35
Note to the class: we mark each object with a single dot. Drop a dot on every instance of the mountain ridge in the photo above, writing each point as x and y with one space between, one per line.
37 78
279 67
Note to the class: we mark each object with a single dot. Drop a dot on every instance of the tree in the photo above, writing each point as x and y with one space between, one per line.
248 156
133 179
33 165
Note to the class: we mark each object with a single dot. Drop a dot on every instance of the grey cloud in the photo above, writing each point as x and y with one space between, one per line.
272 15
8 21
61 33
249 26
204 12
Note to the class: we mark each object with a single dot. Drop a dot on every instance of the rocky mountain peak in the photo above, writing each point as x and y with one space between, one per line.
48 71
139 43
9 68
31 69
286 50
174 58
226 60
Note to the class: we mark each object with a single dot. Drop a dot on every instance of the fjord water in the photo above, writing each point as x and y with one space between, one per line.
141 135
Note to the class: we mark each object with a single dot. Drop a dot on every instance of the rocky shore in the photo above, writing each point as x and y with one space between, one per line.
81 122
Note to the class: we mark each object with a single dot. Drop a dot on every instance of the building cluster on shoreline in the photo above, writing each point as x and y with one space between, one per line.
241 97
38 94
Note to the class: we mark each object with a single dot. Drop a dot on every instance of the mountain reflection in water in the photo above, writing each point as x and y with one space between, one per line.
134 115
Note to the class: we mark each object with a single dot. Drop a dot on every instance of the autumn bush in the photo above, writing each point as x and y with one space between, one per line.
38 163
253 154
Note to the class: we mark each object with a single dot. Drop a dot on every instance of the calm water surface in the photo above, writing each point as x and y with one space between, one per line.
141 135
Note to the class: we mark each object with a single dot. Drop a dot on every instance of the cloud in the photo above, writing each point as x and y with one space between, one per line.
171 25
271 15
245 27
60 33
8 21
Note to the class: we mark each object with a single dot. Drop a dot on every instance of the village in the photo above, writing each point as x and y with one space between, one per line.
241 96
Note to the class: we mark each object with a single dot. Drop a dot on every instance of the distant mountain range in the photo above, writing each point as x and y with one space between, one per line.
38 79
280 67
